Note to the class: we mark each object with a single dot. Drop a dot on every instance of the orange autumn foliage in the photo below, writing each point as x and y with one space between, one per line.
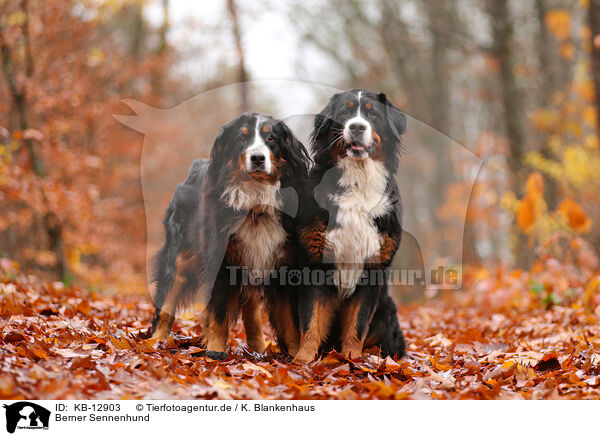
528 209
559 23
526 214
532 207
472 344
575 216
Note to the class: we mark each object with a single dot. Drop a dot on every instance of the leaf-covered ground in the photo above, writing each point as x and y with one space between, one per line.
510 335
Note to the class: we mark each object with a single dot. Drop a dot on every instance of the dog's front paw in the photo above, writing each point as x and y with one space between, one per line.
216 355
303 358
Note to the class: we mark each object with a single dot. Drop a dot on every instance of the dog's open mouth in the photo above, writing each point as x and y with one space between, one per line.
357 147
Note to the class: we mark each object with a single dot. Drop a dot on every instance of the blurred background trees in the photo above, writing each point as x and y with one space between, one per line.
70 195
513 81
516 82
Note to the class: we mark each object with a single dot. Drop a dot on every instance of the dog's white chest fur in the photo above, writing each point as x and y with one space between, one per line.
261 237
355 238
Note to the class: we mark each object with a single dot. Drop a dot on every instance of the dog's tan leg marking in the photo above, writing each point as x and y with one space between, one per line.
217 332
313 337
352 344
252 316
282 320
166 316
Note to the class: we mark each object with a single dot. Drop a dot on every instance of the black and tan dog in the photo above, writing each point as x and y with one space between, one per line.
231 213
350 225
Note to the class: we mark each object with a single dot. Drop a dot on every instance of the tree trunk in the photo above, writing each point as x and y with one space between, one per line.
440 21
20 102
28 55
53 228
243 76
503 35
139 30
545 54
158 78
502 49
17 91
164 28
547 76
594 23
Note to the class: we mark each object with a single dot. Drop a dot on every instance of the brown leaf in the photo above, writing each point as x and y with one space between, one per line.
13 337
548 363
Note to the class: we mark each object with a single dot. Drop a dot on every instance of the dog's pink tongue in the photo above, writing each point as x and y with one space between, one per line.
357 147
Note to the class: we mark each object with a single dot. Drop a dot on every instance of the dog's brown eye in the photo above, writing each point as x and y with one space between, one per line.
345 113
243 139
372 114
270 139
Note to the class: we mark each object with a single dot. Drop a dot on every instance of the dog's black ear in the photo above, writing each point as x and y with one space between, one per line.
396 120
294 152
217 153
323 122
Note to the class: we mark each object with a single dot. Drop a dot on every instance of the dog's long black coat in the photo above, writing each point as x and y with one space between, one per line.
180 216
246 190
368 315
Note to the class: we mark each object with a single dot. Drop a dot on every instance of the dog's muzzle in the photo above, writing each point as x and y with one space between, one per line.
357 138
257 162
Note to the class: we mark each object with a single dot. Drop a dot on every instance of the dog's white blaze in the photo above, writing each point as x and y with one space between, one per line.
358 119
258 147
356 239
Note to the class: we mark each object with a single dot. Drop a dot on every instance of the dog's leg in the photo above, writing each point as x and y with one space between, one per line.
355 317
291 334
316 313
294 346
164 318
384 330
252 315
165 314
221 313
283 320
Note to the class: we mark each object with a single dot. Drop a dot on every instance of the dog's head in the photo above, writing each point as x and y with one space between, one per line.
358 124
258 147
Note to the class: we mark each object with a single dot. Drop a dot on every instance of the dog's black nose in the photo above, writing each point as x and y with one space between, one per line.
357 128
257 159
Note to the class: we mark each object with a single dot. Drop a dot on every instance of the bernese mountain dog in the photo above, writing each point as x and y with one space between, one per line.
234 211
350 226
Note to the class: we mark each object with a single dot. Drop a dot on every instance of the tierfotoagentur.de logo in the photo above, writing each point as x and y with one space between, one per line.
25 415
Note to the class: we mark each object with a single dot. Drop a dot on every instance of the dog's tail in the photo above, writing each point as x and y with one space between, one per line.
179 216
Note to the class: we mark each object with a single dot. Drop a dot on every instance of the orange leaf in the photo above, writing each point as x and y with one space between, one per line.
120 343
549 362
559 23
508 364
438 366
567 51
575 216
526 214
492 383
534 187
